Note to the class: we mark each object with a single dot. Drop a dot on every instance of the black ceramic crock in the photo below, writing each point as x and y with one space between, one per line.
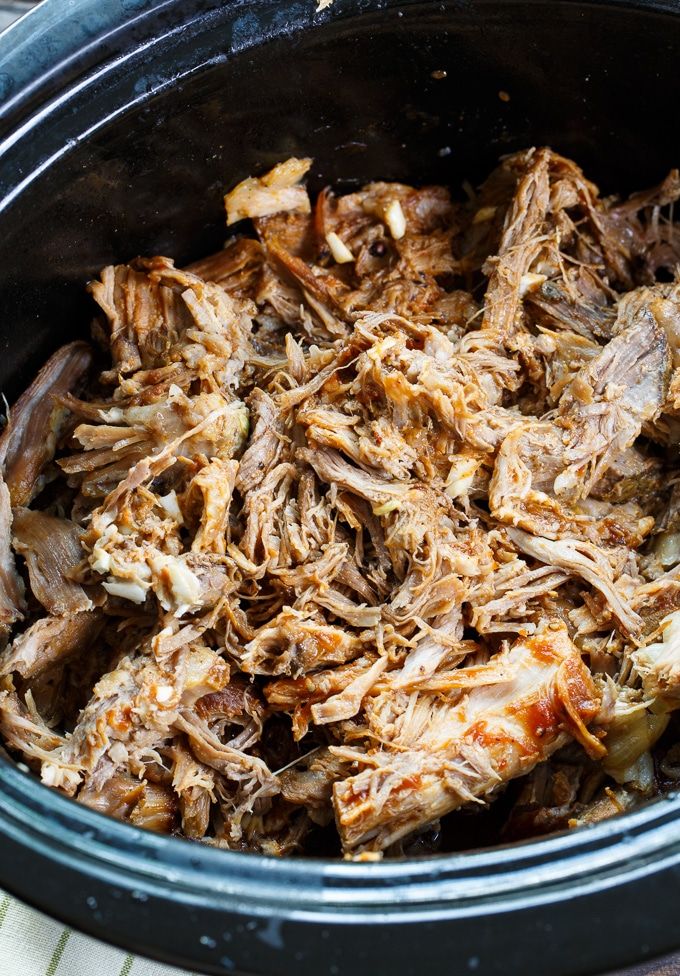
121 121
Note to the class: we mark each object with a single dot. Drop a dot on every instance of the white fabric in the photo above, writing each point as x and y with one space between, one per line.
33 945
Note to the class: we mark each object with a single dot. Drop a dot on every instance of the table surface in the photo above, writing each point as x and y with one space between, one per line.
669 966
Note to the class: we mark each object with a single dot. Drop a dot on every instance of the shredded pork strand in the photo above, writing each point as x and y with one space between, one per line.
370 518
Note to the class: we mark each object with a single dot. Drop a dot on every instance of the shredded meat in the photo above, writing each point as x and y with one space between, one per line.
366 517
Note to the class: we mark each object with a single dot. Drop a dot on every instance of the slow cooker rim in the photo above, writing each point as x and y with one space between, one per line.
527 873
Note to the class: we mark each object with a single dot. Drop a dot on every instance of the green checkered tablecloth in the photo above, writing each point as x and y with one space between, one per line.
33 945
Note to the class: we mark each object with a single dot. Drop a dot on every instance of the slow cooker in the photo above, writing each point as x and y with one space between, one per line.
121 123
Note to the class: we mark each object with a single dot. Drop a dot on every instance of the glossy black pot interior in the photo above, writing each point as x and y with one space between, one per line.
122 122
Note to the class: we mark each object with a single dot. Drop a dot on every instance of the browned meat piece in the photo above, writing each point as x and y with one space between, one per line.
37 421
293 642
633 372
156 809
52 550
251 781
12 602
585 309
564 354
544 466
549 797
23 728
519 246
157 314
145 318
118 797
237 268
194 784
50 641
207 424
610 803
310 783
659 663
237 704
298 695
652 242
130 714
631 475
656 600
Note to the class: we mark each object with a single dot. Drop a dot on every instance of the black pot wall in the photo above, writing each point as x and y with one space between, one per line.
123 121
243 85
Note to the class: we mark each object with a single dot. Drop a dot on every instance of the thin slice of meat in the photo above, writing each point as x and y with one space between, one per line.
37 421
12 599
52 550
50 641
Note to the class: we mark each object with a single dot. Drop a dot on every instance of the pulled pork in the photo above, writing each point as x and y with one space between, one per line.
368 522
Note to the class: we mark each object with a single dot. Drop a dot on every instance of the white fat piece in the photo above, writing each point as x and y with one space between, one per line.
100 560
341 253
113 416
461 476
530 282
177 587
127 589
395 219
170 505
